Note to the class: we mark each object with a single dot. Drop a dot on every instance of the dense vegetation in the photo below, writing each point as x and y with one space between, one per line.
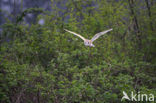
45 64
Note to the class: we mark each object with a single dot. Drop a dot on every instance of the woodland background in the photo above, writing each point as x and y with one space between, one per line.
41 63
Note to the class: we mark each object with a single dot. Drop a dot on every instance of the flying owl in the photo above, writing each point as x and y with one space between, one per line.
88 42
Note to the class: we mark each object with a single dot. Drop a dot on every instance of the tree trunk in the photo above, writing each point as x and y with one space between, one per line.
149 13
136 25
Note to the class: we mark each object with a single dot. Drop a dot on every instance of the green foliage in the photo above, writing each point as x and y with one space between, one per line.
29 10
43 63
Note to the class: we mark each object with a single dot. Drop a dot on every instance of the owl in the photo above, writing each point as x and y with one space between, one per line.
88 42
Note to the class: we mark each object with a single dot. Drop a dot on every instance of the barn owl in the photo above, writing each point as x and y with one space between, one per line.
88 42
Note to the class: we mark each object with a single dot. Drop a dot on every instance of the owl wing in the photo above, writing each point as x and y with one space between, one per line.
75 34
96 36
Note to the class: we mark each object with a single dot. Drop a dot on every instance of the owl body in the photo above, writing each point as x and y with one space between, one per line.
88 43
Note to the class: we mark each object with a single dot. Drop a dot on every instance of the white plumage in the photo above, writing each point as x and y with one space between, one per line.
88 42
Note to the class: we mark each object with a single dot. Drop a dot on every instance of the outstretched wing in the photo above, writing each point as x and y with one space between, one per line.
96 36
75 34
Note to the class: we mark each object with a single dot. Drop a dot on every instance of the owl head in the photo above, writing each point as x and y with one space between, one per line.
88 43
